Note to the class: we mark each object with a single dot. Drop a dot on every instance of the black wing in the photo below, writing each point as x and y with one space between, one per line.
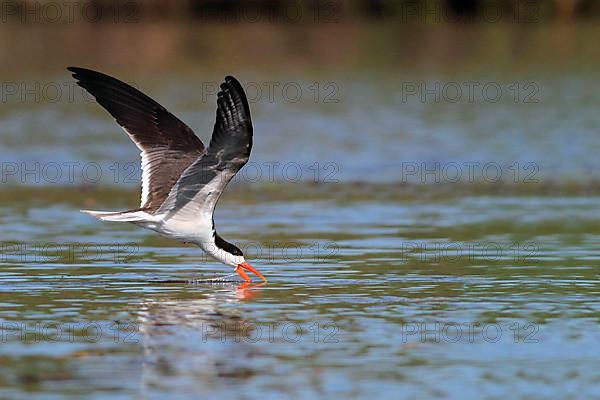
202 183
168 146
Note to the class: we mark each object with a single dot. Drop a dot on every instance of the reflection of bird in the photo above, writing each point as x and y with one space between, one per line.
181 179
196 335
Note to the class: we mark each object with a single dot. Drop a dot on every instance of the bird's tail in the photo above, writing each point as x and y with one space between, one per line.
119 216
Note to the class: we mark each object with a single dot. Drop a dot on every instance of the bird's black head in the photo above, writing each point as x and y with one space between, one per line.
226 246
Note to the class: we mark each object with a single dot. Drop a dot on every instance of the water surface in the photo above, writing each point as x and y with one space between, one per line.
401 296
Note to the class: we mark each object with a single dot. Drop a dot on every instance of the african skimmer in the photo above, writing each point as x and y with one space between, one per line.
182 179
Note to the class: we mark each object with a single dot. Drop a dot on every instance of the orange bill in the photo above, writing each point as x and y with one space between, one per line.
243 267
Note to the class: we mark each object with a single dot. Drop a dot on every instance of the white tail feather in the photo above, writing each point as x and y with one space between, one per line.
120 216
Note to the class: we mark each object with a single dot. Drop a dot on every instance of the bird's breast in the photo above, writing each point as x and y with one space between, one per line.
197 230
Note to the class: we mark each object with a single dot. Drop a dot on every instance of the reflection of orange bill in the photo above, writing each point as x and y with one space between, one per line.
247 290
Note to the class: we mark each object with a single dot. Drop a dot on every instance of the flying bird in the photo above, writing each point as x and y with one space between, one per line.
182 180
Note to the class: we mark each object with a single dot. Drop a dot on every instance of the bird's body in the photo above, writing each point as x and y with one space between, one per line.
182 180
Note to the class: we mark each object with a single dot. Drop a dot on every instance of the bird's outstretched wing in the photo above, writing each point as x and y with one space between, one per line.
203 182
167 145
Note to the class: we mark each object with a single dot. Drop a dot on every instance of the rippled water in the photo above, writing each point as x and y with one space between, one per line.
416 296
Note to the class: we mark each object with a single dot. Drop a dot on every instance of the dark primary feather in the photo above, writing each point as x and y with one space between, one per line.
228 152
233 126
170 145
